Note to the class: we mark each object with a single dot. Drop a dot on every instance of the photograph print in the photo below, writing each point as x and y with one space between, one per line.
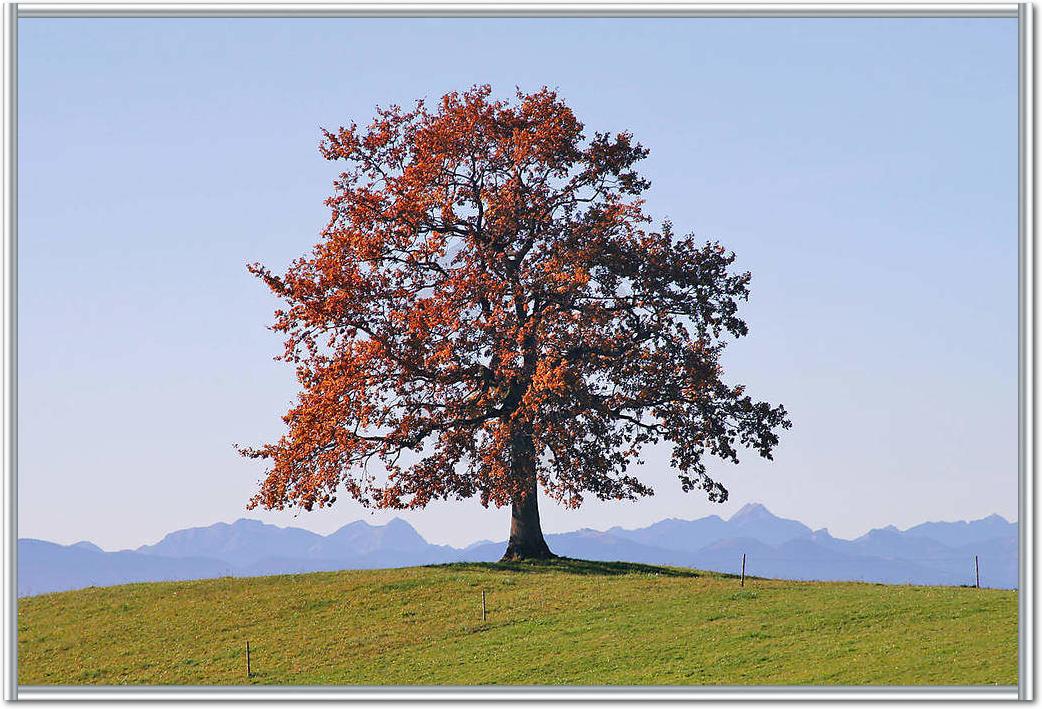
505 352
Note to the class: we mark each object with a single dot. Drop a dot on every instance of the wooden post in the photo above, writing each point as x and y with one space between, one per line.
976 568
248 673
743 570
482 605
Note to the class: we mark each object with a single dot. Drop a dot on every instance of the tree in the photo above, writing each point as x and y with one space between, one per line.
487 312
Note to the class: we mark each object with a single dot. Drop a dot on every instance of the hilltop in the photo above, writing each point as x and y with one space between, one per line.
561 622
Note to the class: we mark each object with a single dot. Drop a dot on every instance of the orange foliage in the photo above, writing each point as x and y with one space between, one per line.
488 305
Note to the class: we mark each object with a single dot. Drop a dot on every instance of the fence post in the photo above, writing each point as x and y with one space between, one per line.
248 673
482 605
976 568
743 569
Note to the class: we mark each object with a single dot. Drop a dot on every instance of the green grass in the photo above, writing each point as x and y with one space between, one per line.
555 623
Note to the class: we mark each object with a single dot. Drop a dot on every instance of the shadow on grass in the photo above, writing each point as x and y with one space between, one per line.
573 566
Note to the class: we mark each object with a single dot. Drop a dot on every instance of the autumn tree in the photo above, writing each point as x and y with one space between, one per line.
488 312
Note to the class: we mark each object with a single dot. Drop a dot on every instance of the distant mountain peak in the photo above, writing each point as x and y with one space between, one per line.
89 546
357 523
751 510
245 522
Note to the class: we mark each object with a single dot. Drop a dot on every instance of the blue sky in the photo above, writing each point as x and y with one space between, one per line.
864 171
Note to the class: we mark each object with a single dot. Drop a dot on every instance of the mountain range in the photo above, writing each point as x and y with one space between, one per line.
933 553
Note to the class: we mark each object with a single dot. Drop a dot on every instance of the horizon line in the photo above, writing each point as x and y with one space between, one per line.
748 505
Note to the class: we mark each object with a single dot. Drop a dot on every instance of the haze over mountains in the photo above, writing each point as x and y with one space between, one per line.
929 553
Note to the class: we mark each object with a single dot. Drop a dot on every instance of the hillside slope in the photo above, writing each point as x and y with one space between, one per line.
562 622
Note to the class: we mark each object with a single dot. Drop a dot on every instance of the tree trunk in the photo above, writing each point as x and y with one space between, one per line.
526 534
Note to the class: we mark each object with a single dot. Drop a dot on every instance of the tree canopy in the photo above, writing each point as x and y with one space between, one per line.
489 309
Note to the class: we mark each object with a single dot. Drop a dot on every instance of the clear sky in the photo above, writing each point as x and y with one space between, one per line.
864 171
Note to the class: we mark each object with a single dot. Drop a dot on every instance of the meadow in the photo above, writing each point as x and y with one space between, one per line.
561 622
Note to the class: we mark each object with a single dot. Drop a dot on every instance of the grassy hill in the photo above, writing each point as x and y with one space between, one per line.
561 622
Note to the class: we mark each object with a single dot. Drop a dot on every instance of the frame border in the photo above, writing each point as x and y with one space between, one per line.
1026 356
520 8
10 378
1023 12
